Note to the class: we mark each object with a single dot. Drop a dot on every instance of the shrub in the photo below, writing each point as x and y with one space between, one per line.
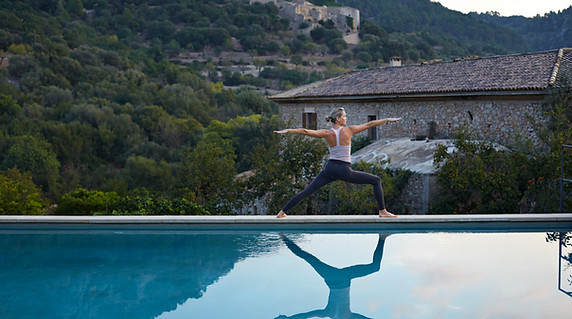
144 202
86 202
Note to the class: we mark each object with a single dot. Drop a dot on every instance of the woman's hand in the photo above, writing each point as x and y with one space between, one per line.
394 119
282 131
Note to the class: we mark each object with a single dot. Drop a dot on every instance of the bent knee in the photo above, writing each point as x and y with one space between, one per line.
376 179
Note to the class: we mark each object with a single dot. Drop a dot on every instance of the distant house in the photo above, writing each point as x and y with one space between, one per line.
346 19
494 95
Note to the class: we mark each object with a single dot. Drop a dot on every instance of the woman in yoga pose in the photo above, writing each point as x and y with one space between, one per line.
338 166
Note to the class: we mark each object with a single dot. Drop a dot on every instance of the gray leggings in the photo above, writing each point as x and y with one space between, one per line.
338 170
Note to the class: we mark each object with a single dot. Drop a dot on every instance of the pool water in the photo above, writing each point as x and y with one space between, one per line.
163 274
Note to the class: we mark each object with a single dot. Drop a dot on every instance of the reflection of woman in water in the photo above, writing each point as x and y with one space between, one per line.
338 167
338 280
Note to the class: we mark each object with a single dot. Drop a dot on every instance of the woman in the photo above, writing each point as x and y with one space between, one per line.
338 166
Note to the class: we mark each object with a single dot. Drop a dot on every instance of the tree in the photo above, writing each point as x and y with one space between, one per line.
259 63
296 59
208 171
163 30
253 102
19 195
337 45
75 7
145 172
30 154
8 108
477 178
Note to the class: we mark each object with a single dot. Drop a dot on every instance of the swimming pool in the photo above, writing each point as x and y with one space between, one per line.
166 272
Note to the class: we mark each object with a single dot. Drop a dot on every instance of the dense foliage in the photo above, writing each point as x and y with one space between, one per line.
86 104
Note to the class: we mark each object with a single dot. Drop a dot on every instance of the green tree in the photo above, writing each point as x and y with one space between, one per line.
477 178
163 30
30 154
296 59
8 108
259 63
145 172
253 102
19 195
209 172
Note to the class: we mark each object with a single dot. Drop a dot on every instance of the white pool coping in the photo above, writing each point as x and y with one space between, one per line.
291 219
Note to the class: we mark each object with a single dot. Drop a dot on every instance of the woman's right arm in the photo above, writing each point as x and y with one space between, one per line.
303 131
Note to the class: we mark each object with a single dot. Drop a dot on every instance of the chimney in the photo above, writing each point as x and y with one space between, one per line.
395 61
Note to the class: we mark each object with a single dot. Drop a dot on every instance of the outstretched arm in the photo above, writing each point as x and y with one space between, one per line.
304 131
362 127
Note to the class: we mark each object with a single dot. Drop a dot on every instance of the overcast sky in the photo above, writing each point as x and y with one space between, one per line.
527 8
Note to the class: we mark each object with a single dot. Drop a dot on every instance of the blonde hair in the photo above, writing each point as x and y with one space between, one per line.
333 117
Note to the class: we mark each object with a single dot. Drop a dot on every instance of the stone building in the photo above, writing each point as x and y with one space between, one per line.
494 95
300 10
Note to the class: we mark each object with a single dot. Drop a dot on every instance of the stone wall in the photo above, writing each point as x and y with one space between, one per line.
497 119
419 193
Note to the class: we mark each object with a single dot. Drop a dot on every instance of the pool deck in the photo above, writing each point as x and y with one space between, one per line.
492 222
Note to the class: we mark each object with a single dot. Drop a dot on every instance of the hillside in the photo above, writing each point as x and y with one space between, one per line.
456 34
469 34
551 31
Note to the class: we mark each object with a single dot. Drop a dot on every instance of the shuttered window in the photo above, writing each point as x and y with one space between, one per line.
310 121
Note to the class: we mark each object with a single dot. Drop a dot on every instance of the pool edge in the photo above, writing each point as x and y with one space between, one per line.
334 223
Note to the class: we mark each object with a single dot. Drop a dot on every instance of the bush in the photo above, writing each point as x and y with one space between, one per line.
86 202
144 202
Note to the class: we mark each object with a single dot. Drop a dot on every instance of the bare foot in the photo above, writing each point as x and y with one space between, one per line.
281 214
385 213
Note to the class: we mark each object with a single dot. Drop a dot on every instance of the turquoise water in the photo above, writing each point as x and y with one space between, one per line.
163 274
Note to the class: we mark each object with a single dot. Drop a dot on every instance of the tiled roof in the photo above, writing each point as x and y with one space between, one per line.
519 72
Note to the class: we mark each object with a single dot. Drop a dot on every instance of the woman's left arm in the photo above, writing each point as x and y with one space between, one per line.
362 127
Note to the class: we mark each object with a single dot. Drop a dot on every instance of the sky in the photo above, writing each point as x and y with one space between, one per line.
527 8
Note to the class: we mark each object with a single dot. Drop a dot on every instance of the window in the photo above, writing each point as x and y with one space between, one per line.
372 132
310 120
